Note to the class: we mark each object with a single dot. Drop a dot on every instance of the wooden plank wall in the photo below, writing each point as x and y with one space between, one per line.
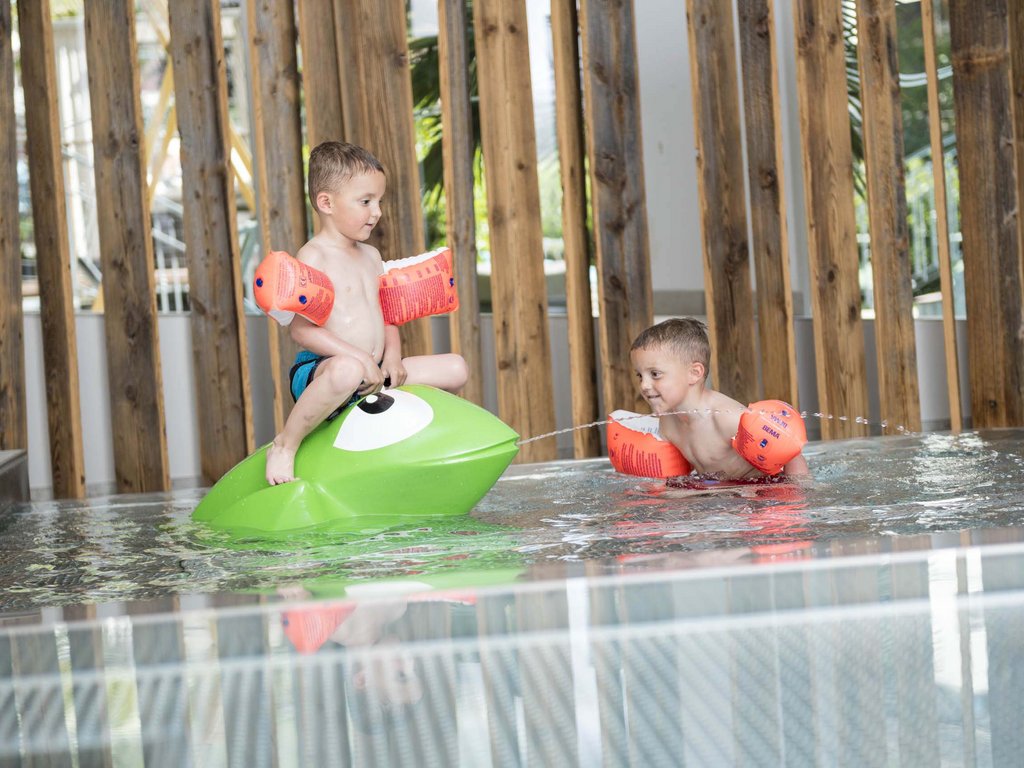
571 159
614 146
53 252
457 150
355 72
518 288
723 208
126 249
831 230
277 156
984 83
887 210
215 288
13 418
320 73
769 239
376 100
941 217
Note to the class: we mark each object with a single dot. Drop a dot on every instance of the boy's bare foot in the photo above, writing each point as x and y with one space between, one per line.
280 464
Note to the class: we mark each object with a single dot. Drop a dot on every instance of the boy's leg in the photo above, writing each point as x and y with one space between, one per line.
448 371
335 380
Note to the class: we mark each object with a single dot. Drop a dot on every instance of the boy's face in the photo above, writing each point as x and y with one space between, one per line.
354 207
664 378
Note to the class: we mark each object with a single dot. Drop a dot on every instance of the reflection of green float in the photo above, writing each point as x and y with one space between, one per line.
406 455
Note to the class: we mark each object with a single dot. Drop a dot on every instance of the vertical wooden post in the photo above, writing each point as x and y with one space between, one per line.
376 99
277 154
941 217
716 114
211 238
13 421
571 154
887 213
457 151
990 198
513 196
320 74
53 253
612 101
129 299
831 229
767 201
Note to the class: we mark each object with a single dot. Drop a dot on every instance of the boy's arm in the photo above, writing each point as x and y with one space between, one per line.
391 364
797 466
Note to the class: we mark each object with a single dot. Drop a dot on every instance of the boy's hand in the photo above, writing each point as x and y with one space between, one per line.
373 378
393 369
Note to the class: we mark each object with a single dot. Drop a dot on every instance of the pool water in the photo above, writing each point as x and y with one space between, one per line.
537 519
577 617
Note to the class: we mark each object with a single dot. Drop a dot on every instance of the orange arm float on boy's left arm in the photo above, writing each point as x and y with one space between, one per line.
409 288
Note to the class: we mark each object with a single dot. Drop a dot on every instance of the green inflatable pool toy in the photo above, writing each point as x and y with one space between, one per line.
405 454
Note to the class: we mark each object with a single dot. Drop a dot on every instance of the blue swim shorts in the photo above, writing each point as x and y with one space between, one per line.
302 373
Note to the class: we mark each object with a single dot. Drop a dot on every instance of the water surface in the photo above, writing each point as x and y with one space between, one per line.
576 514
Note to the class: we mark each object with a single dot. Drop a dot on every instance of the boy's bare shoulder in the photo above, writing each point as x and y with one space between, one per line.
314 252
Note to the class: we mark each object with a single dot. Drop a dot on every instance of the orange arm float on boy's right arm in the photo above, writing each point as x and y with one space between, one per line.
284 287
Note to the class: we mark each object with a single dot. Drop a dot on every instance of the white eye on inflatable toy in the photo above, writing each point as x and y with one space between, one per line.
383 419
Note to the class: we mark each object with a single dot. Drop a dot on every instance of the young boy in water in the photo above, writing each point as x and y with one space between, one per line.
354 353
671 362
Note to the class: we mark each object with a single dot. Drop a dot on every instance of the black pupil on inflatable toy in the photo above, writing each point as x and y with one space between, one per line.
302 299
259 282
376 403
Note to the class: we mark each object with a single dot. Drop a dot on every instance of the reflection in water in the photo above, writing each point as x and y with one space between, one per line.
535 518
908 659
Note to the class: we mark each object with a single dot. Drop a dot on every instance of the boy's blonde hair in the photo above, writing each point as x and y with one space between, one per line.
332 163
686 336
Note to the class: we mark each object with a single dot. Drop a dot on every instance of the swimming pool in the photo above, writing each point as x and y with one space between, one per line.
577 617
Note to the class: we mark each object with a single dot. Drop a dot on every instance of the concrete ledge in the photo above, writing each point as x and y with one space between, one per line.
13 478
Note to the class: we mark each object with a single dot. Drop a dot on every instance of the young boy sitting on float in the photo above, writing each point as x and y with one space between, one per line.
717 436
349 352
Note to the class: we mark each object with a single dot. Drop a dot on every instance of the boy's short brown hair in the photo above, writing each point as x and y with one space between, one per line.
686 336
332 163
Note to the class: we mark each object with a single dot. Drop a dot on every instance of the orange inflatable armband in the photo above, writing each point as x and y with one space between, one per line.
770 433
636 447
418 286
284 287
309 628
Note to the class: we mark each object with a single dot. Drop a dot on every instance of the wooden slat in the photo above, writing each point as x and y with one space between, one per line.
13 421
612 101
769 239
376 98
989 209
899 399
320 82
211 240
277 150
513 196
941 217
53 253
831 229
716 114
126 249
571 161
457 150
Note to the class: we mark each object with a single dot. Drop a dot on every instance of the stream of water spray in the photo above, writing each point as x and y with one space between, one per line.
899 429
